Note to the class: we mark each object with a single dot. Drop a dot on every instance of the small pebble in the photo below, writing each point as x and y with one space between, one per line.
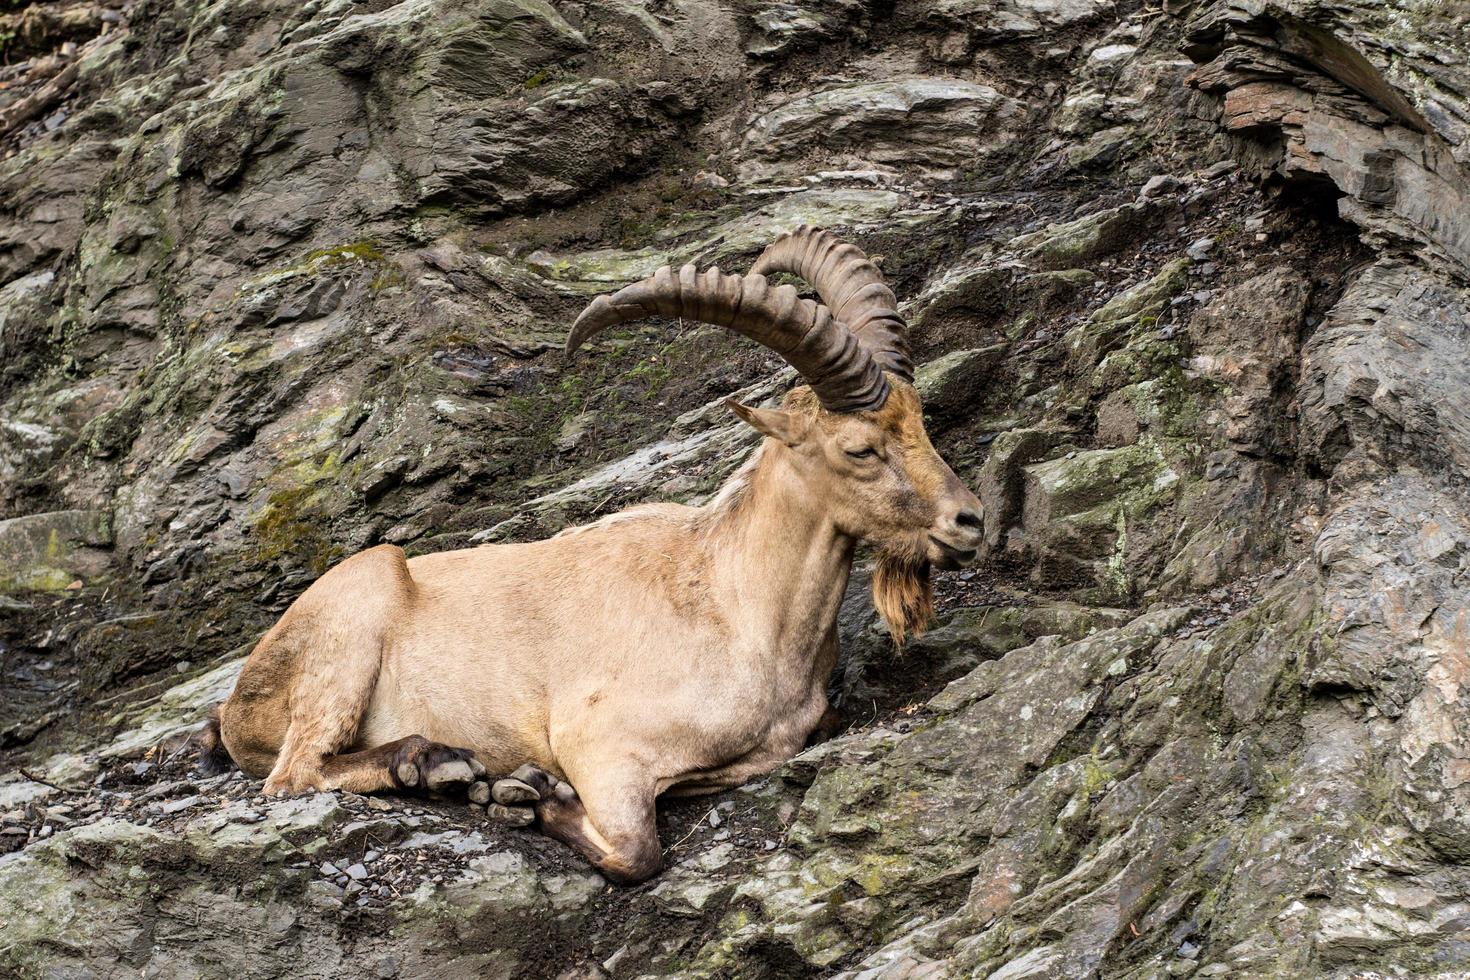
1199 250
1159 185
1219 170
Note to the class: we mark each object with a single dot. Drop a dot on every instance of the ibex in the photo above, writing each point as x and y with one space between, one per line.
666 648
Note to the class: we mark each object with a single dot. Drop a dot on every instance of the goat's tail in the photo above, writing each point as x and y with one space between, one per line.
214 758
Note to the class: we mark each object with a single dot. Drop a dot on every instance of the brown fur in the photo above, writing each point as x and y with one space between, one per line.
665 648
903 594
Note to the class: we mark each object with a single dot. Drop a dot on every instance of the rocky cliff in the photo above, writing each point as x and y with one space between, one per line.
1188 280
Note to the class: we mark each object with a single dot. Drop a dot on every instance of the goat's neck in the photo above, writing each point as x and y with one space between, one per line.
781 559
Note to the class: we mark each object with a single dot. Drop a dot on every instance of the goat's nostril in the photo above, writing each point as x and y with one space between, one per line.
969 519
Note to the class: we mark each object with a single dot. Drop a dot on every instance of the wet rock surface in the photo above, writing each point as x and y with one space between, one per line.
1189 293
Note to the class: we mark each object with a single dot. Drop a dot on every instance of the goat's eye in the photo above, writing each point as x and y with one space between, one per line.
865 453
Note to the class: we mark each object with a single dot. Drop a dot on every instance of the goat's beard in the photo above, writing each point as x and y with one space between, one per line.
903 593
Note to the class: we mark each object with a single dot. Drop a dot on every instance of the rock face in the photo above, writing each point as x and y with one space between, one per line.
280 281
920 122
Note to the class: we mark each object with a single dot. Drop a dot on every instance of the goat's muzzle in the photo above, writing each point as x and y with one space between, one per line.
955 539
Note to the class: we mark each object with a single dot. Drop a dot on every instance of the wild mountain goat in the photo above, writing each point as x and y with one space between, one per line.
663 649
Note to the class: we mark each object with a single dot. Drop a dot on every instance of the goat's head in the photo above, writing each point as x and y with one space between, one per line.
856 433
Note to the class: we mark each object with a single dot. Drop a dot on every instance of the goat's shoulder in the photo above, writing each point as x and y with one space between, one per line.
662 544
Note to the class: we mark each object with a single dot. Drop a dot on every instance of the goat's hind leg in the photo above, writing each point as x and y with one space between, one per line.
329 697
614 828
325 656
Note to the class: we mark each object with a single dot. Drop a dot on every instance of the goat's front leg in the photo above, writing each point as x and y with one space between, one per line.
412 763
829 726
608 820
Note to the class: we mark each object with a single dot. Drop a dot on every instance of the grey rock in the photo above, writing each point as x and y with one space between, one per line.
928 122
781 27
1199 250
1160 185
1393 150
1382 354
50 551
1254 354
1221 169
951 383
1014 19
180 805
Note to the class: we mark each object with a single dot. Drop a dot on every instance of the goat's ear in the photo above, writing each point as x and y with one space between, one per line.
788 427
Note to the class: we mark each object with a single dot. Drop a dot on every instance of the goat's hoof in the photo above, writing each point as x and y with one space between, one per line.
421 764
292 782
454 772
510 816
530 785
518 795
513 792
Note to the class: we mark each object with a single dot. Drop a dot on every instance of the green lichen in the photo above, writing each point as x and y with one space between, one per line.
359 254
291 527
38 579
1127 320
1116 579
1095 775
1072 243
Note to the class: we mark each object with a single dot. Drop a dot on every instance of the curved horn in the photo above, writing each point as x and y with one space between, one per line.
841 372
849 283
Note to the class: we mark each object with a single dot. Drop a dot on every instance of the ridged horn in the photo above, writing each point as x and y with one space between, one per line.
840 370
851 285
